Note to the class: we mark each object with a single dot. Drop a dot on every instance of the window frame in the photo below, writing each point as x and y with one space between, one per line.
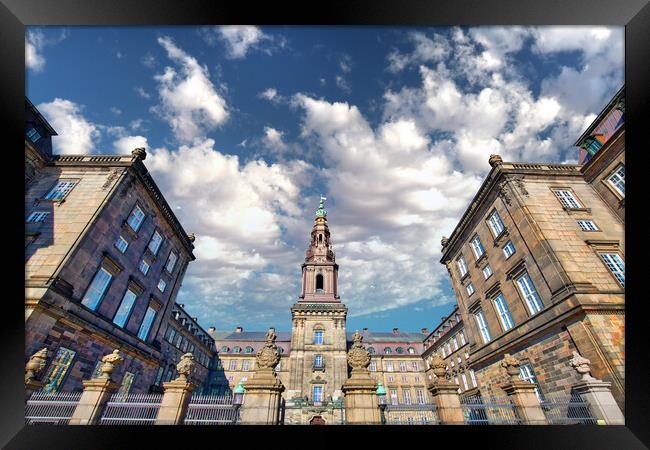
539 306
41 215
142 261
144 216
562 198
611 254
131 308
477 239
95 306
514 249
503 312
612 184
167 269
487 266
463 269
121 239
490 223
156 232
481 322
55 365
470 289
74 181
587 229
150 325
321 337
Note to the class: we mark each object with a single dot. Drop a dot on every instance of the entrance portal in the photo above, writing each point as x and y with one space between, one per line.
317 420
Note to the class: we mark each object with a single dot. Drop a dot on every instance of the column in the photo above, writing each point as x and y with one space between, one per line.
522 394
177 395
444 393
360 390
33 370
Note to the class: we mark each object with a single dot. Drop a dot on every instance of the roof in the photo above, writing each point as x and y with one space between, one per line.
374 337
601 115
40 117
282 336
285 336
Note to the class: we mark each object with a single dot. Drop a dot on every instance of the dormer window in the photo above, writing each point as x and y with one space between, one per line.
33 135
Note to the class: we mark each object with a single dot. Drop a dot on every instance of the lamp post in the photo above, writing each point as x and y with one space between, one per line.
238 399
381 394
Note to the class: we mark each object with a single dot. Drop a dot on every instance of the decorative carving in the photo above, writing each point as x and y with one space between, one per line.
35 365
358 356
191 237
269 356
438 365
140 153
110 361
114 174
495 160
582 366
511 364
444 241
503 193
185 367
519 183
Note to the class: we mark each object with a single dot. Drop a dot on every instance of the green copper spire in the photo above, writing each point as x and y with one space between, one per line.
321 207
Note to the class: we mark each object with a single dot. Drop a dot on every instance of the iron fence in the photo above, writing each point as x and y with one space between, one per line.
567 409
211 410
51 408
411 414
131 409
495 411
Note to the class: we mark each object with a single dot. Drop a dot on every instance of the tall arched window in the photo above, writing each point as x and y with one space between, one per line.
319 282
320 238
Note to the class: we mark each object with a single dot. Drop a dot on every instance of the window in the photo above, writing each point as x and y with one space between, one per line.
455 343
503 312
419 394
60 190
97 288
477 247
495 223
487 272
121 244
155 242
143 267
411 351
233 365
373 366
509 249
391 378
245 365
470 289
162 285
136 218
37 217
399 350
171 262
318 337
402 366
248 349
567 199
224 349
473 377
58 369
482 325
318 361
236 349
318 393
127 382
462 338
171 333
462 266
388 350
319 283
126 305
393 397
615 264
526 373
414 366
444 352
464 377
371 350
145 326
617 180
33 135
407 396
389 366
587 225
527 289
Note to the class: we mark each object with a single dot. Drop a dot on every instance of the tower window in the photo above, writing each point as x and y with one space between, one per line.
318 337
319 283
320 238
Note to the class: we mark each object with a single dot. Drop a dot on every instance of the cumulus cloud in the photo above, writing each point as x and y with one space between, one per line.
271 94
273 139
35 41
126 144
76 135
189 101
142 93
240 39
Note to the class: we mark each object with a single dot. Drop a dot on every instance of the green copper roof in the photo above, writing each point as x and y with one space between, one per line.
320 212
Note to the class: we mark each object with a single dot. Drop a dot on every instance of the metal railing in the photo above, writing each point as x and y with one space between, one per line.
411 414
211 410
51 408
495 411
131 409
567 409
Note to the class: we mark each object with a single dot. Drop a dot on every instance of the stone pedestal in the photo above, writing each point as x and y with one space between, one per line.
445 396
262 399
601 401
361 402
32 385
97 392
522 394
173 406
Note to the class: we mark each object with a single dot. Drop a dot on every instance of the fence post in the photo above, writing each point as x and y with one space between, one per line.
177 395
444 393
263 391
360 390
97 392
33 371
522 394
596 392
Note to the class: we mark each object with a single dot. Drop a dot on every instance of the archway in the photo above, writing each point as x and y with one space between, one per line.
317 420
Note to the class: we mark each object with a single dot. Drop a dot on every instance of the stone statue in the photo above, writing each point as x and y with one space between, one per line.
582 366
358 357
511 364
444 241
191 237
35 365
438 365
185 367
495 160
321 207
110 361
269 356
140 153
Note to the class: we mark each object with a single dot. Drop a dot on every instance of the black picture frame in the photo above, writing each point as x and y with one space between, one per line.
16 14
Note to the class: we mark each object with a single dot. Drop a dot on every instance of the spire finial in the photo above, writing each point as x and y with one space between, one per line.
321 207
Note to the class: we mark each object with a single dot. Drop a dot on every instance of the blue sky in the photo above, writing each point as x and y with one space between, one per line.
246 126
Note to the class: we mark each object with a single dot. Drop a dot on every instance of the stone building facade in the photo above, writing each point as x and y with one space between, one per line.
104 259
537 264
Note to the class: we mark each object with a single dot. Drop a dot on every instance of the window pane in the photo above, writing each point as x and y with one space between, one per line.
504 312
462 266
617 180
144 267
615 264
135 218
58 369
154 243
482 324
495 223
171 262
530 294
477 247
60 190
125 308
97 288
567 199
487 272
143 332
121 244
37 216
162 285
127 381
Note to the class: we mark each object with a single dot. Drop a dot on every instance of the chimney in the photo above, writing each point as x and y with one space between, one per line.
182 305
212 330
425 331
239 330
365 330
395 330
195 319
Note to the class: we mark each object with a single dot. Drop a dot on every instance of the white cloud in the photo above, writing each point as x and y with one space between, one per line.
425 50
342 84
142 93
125 145
35 41
148 60
239 40
76 135
189 101
345 63
273 139
115 110
271 94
